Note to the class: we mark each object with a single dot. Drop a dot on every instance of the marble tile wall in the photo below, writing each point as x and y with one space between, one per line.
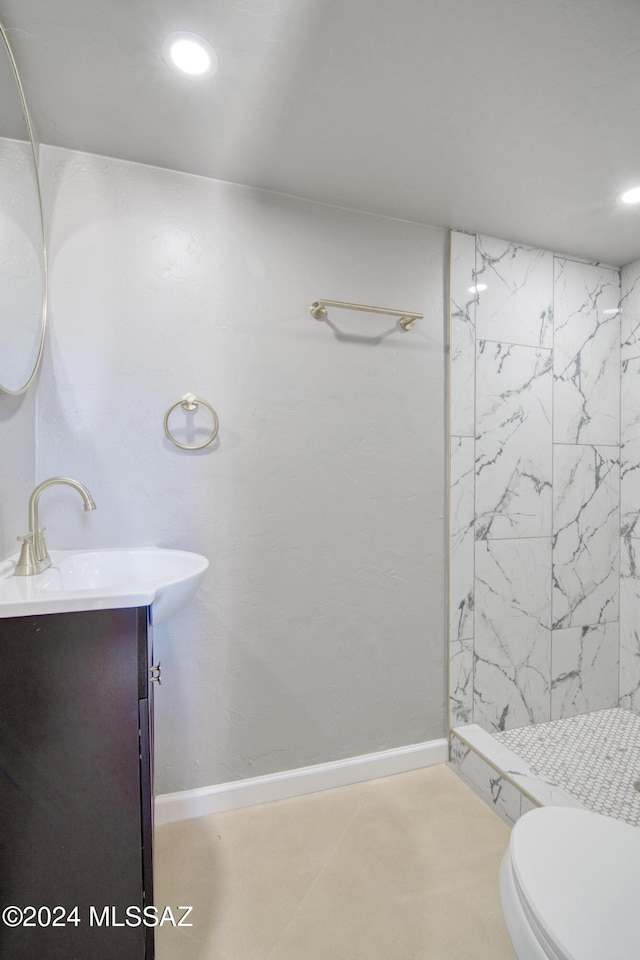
630 489
534 590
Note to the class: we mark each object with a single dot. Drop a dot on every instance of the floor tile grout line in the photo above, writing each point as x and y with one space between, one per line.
321 870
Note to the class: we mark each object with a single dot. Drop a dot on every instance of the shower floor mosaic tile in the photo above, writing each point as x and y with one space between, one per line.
594 757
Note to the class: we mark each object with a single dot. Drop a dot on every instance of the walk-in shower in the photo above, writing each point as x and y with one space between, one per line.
544 657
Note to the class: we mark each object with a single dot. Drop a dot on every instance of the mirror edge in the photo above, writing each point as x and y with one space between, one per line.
45 272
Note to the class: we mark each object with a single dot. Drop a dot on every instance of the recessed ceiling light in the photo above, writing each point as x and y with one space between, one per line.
190 54
631 196
479 287
612 311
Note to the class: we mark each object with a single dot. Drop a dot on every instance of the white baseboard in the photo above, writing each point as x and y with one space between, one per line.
187 804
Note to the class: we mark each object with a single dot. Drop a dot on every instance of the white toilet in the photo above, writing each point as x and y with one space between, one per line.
570 886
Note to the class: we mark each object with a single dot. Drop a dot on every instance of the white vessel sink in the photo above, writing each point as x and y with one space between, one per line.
104 579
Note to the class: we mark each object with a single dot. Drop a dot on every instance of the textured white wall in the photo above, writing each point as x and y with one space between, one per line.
17 466
319 631
20 313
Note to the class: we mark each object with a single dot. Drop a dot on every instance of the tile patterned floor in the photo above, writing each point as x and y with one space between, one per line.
402 868
594 757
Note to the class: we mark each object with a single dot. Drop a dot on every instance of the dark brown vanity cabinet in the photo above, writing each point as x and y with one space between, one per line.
75 786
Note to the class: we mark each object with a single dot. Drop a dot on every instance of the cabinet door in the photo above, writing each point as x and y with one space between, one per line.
145 712
70 785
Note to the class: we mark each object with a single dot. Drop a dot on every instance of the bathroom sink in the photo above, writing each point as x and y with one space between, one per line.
104 579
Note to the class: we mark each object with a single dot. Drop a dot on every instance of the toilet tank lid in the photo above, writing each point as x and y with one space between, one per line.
578 877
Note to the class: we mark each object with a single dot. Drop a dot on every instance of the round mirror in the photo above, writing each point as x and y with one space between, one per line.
23 273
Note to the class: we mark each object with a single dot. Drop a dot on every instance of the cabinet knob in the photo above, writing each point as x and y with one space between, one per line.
155 673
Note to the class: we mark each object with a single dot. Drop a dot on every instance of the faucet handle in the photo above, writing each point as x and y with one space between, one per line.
27 564
33 555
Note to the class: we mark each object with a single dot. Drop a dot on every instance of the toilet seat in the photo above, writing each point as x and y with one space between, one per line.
569 885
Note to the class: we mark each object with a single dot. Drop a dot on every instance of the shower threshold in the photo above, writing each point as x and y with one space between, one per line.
591 761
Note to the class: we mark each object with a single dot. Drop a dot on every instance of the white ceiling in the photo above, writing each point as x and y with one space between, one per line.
514 118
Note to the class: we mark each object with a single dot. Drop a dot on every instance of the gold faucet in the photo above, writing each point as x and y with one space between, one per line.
33 556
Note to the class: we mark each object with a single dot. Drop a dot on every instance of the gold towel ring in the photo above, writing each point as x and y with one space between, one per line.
189 402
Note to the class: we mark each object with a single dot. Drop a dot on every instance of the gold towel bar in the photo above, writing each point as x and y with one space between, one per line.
318 309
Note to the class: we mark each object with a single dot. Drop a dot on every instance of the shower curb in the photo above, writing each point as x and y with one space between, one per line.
500 777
